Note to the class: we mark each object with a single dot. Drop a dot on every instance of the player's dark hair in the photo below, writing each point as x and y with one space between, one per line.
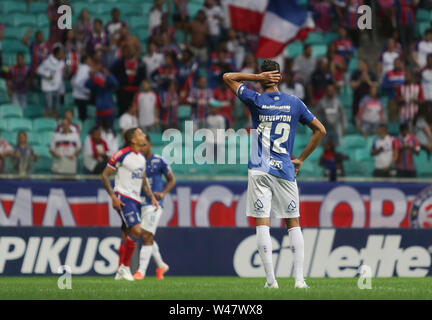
129 135
148 138
403 127
269 65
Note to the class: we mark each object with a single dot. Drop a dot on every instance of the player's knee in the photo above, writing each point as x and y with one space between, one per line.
147 238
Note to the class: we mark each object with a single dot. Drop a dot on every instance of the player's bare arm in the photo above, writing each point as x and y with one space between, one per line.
148 191
116 202
318 134
234 79
171 182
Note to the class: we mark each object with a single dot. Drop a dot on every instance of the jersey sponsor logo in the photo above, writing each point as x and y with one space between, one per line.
137 174
258 205
421 210
280 108
277 164
292 206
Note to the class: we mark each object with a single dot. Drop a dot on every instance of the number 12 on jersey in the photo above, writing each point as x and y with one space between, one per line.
282 130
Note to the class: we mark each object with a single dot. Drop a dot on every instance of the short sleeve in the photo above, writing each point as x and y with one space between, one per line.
116 159
246 95
165 167
305 115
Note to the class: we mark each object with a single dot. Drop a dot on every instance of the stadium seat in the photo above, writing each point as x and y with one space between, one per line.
32 139
423 165
16 124
393 128
315 37
42 22
10 137
8 7
423 15
10 111
44 124
353 64
354 141
14 45
138 22
319 50
45 138
14 33
20 19
33 111
184 111
295 49
361 154
87 126
329 37
38 7
421 28
142 34
44 162
194 8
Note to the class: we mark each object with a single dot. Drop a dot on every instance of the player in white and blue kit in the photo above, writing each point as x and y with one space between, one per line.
128 165
272 186
156 169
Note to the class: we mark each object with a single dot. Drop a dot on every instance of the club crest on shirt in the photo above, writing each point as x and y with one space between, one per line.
275 164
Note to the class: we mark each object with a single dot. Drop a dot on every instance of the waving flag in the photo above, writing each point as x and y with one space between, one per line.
278 22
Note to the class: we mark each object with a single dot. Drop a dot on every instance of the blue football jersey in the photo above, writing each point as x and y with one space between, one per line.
274 121
156 168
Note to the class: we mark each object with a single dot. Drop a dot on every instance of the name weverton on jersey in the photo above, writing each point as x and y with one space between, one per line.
271 118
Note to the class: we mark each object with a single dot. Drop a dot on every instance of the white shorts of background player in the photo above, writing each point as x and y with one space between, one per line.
150 218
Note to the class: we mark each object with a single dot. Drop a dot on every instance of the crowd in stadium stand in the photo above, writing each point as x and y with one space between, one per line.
182 62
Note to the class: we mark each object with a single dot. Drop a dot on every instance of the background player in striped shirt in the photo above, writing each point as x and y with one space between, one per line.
156 167
129 165
272 187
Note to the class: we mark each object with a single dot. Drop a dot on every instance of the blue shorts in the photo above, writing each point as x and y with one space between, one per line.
130 213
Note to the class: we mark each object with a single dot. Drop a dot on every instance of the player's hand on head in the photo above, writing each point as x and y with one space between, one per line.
297 165
271 77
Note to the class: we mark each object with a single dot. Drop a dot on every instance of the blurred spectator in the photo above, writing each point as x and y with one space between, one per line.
199 31
320 79
291 86
95 152
125 38
424 48
337 65
147 102
113 27
74 127
5 151
305 64
130 72
169 102
56 34
84 25
387 58
65 147
422 129
361 81
347 11
236 48
214 122
102 85
181 14
322 13
330 111
109 136
409 95
404 20
80 92
215 18
165 27
187 67
426 81
18 81
390 86
97 40
221 61
199 98
153 59
155 19
23 155
129 119
382 151
405 146
332 161
51 71
165 73
167 45
344 45
227 101
38 48
371 113
73 49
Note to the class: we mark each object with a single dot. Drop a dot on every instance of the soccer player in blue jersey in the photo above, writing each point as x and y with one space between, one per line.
272 186
156 168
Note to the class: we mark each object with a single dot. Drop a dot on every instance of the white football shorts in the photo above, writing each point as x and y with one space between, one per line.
271 196
150 218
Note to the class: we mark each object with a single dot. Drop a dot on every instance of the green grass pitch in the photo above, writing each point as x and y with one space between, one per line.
212 288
